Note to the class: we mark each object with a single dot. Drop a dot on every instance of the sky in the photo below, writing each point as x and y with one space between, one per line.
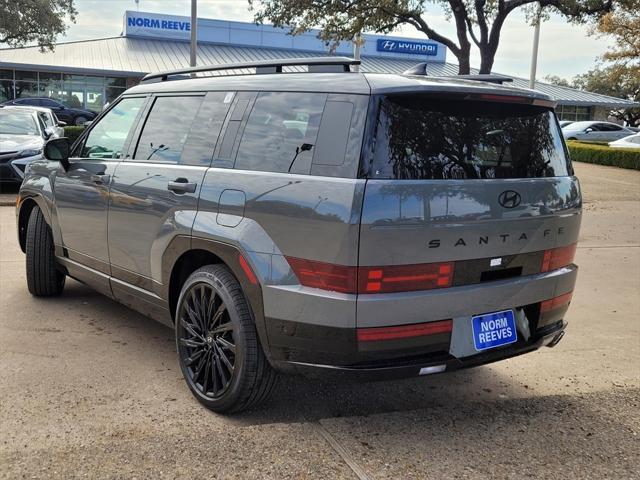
565 50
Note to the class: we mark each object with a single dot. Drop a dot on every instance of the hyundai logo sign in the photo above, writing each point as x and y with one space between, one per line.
404 46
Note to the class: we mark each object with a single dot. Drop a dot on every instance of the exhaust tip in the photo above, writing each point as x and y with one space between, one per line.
555 340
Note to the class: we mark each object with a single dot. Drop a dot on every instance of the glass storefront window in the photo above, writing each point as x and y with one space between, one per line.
25 75
26 89
573 113
115 82
6 90
113 92
78 91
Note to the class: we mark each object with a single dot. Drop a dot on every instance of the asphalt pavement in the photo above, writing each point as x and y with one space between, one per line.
90 389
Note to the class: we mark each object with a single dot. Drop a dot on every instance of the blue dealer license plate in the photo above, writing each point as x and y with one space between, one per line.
494 329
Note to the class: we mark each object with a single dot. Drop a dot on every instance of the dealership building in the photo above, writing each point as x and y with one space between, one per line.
93 72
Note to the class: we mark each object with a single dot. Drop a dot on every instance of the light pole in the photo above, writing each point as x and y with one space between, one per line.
194 32
534 53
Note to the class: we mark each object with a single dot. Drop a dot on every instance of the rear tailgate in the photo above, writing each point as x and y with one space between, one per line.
480 189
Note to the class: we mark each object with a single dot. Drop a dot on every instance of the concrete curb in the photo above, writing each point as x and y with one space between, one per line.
7 200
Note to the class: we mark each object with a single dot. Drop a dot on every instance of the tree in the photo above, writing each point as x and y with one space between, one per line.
40 21
618 80
624 26
556 80
477 22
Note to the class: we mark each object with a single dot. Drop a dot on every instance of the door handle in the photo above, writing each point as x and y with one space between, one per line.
182 185
100 178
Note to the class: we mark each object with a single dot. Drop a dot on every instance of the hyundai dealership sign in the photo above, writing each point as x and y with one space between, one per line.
405 46
172 27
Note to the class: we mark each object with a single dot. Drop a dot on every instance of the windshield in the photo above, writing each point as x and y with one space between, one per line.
18 123
422 138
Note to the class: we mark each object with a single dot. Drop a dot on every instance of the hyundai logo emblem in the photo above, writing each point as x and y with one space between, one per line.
509 199
388 45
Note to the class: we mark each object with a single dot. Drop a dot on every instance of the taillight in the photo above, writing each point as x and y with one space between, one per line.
386 279
404 331
558 257
405 278
555 302
324 275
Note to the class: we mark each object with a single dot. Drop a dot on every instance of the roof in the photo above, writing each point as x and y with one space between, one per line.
135 57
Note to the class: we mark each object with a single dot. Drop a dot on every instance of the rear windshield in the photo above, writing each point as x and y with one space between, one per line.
423 138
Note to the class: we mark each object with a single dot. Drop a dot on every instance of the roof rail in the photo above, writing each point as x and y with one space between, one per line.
314 64
421 69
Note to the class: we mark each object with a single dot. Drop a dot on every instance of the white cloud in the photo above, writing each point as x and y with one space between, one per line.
565 49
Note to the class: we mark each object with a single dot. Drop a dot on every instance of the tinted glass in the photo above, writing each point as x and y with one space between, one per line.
107 137
206 129
281 132
13 122
421 138
166 129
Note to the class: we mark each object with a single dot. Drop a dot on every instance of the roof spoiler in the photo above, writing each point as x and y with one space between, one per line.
313 64
421 69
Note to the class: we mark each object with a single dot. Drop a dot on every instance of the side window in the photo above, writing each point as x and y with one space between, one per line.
46 119
203 137
165 132
107 137
281 132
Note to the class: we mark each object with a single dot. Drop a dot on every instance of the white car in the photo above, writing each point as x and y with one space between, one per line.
593 131
632 141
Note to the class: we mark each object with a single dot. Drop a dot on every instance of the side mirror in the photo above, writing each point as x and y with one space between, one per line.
61 123
58 149
588 130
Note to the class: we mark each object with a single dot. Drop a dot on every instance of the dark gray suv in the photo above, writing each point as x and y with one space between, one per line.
307 218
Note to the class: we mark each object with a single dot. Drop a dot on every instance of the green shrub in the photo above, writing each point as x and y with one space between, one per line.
72 132
604 155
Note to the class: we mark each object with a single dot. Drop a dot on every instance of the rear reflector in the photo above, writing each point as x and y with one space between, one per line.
556 302
387 279
404 331
405 278
558 257
247 270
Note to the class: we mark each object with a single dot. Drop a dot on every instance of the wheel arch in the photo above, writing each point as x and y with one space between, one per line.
25 207
185 255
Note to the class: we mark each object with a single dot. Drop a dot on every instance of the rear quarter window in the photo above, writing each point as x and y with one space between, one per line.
419 137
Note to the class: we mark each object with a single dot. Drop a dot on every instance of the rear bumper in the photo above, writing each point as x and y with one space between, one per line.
438 362
309 327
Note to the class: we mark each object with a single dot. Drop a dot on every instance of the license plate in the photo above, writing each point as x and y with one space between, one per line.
494 329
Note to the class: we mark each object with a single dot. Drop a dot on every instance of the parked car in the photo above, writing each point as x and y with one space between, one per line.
23 132
564 123
328 221
595 131
632 141
72 116
51 122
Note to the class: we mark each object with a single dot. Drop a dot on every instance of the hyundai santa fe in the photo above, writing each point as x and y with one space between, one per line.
308 218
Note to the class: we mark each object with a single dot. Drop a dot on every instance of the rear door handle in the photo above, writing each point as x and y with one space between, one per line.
182 185
100 178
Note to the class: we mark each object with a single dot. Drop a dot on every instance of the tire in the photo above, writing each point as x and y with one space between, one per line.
79 120
222 378
43 277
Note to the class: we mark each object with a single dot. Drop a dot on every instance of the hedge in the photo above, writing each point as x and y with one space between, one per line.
72 132
602 155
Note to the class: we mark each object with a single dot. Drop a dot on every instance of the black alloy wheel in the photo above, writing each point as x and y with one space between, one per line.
218 346
206 344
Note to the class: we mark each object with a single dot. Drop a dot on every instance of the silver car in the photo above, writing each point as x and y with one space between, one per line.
324 221
595 131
